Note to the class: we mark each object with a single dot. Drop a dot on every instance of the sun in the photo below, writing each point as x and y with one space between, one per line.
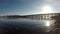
47 9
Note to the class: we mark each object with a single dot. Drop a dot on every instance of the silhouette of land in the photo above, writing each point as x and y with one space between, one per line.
34 16
13 16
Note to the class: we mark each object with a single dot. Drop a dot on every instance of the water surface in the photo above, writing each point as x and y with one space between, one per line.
26 26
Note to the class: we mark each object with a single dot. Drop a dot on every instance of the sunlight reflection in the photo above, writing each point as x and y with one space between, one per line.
47 23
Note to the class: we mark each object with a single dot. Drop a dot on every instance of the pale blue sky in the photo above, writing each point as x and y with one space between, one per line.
25 7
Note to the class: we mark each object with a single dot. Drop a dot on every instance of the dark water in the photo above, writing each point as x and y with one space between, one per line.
25 26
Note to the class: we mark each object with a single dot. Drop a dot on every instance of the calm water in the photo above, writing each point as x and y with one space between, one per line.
25 26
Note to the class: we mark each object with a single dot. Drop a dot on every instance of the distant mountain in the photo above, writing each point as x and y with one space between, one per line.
13 16
35 16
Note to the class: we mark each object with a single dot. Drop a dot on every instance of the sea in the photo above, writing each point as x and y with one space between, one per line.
26 26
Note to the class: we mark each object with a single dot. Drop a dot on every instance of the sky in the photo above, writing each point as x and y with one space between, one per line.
27 7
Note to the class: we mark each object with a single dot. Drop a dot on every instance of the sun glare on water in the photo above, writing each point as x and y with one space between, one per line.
47 23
